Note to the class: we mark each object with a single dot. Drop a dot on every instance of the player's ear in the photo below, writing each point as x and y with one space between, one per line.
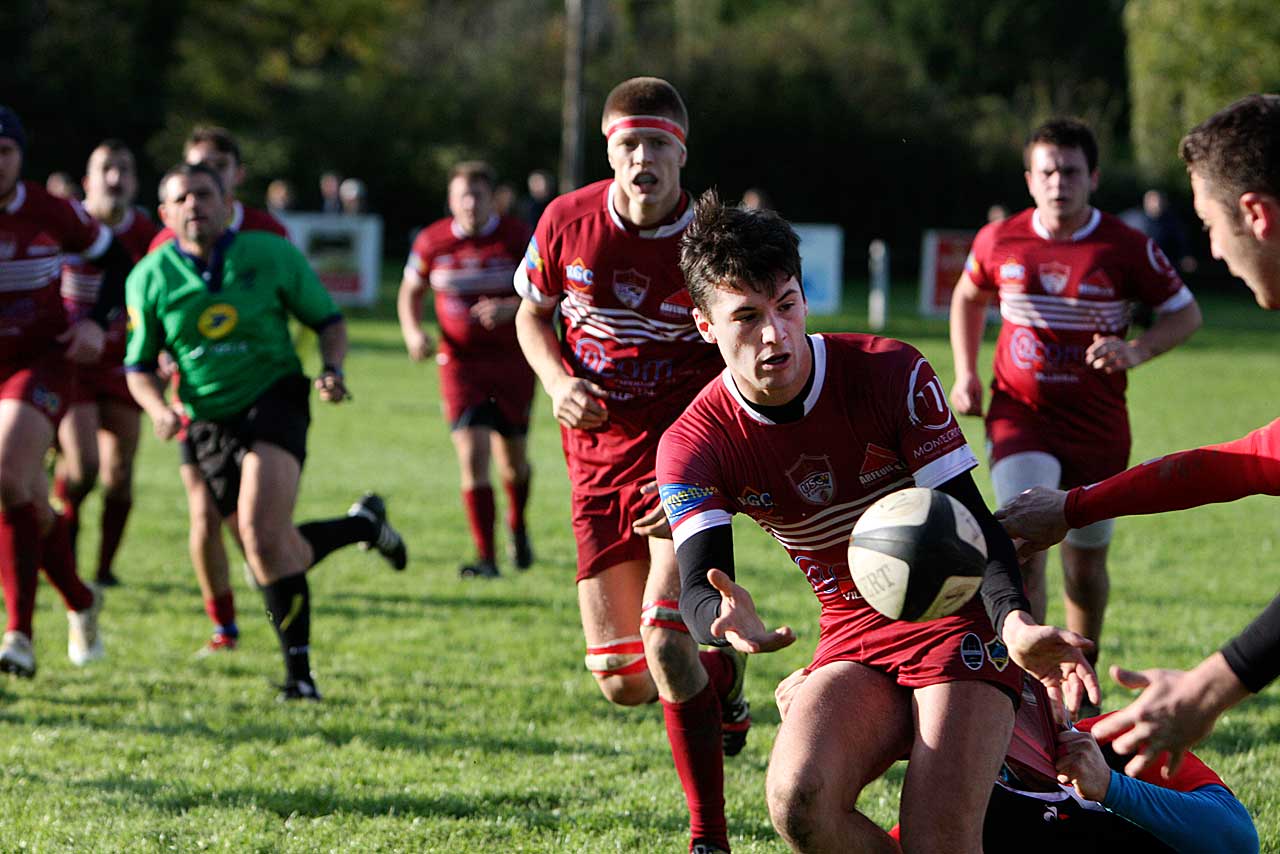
684 156
1093 180
704 326
1261 213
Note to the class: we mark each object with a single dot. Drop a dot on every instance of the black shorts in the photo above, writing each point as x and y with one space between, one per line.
280 416
489 414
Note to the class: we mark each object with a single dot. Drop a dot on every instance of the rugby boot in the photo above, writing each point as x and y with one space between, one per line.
388 541
84 640
299 689
521 550
479 569
218 642
17 656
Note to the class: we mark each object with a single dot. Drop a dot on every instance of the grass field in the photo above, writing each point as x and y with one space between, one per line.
458 716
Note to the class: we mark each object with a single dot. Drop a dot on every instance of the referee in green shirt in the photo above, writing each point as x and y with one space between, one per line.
219 301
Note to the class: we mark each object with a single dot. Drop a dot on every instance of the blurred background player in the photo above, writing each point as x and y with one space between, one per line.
1065 273
37 344
63 186
802 433
98 435
1156 220
468 261
218 301
216 148
602 271
542 189
1233 158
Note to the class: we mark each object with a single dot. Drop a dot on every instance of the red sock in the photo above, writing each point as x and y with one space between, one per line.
222 609
480 513
517 498
70 505
59 563
693 730
19 564
115 513
719 671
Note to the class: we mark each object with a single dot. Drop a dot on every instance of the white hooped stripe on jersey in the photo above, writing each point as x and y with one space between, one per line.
1079 234
1068 313
31 274
623 325
810 401
671 229
491 280
490 226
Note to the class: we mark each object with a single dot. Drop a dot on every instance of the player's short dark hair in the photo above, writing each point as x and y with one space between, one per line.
475 170
112 145
219 137
736 249
188 170
1064 133
1237 149
645 96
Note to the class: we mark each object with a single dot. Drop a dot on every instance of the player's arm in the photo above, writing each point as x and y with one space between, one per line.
1110 353
85 337
147 389
413 288
576 402
968 317
331 384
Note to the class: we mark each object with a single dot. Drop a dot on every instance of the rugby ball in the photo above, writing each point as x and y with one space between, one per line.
917 554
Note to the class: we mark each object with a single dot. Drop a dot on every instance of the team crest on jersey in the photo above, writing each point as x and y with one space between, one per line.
1013 272
878 463
972 653
630 287
997 654
578 275
1054 277
217 321
813 479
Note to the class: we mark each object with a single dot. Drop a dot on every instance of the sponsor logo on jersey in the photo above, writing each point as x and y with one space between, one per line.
8 246
924 449
877 463
48 401
972 652
927 403
1159 261
532 260
826 579
579 275
1030 353
1087 289
997 654
218 320
680 499
813 479
36 250
1012 272
630 287
1054 277
679 305
135 317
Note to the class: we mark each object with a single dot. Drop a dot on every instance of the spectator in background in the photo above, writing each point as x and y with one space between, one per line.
279 197
756 199
504 199
542 189
353 196
997 212
63 186
330 199
1155 220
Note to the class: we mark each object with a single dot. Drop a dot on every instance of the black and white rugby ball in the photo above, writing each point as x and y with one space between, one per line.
917 554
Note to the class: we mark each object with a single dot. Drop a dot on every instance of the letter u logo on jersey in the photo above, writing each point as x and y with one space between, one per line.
217 321
813 479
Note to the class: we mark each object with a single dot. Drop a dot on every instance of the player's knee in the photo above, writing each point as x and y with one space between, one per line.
667 643
628 690
622 672
14 490
264 545
117 484
795 807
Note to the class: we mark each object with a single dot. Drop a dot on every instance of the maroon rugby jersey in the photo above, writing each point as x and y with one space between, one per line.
81 280
1055 295
462 269
35 228
628 327
875 421
242 219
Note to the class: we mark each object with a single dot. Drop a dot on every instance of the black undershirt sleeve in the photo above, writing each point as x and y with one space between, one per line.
1254 654
699 601
1001 590
115 264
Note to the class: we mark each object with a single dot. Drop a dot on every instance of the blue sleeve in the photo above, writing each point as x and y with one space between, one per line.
1209 820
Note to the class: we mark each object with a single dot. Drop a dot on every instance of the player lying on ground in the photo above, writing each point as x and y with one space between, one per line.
1234 161
802 433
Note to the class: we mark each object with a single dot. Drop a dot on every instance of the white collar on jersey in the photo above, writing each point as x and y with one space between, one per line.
490 226
669 230
126 221
237 216
810 401
19 196
1080 234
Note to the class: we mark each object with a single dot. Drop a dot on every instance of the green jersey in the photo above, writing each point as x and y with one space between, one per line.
226 326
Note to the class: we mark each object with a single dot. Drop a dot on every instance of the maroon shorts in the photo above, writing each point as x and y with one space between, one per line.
1015 428
45 381
487 392
958 648
602 527
102 383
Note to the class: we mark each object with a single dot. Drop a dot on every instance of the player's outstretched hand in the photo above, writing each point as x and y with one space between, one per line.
84 340
966 395
1175 710
419 345
1036 519
1111 354
579 403
331 386
1080 764
738 622
492 312
654 523
1054 656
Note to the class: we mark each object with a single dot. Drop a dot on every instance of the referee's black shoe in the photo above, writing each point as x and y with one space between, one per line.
387 540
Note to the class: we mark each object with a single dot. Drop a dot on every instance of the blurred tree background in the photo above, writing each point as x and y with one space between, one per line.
885 116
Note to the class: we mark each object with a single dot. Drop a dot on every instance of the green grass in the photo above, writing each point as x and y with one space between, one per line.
458 716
